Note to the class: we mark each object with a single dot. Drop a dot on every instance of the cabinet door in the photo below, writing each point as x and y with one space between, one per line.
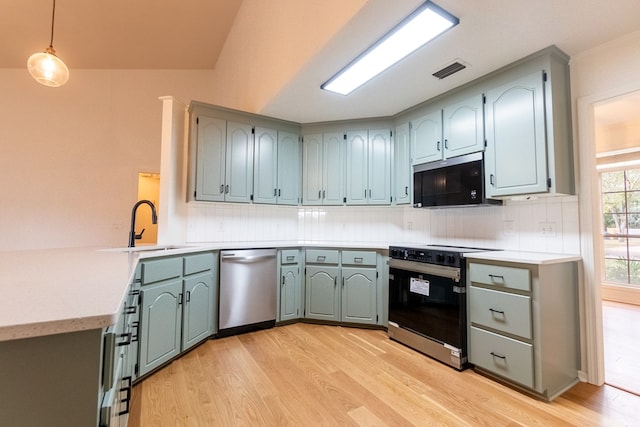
239 163
426 138
379 171
357 148
322 296
198 313
289 165
463 127
359 290
516 157
333 169
265 166
402 173
290 288
160 324
210 158
312 148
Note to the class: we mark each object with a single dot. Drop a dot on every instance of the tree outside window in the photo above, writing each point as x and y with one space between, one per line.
621 225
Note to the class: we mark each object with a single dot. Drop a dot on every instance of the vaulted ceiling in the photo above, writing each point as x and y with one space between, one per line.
271 56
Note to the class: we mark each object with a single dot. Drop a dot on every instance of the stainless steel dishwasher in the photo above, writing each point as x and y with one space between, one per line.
248 286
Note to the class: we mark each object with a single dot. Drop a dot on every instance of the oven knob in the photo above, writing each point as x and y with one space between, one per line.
440 258
451 259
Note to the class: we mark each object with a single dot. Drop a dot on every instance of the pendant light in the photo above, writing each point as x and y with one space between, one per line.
46 67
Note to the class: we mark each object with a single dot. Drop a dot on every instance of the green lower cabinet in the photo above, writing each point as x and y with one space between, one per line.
322 293
161 324
198 309
359 291
290 289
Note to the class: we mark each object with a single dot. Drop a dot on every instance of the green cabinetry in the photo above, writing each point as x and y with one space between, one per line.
368 157
523 323
323 169
178 301
343 286
528 129
402 172
290 294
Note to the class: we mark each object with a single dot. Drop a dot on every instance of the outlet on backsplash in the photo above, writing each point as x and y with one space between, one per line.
547 229
509 228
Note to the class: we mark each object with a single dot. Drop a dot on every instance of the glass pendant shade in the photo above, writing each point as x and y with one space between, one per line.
47 68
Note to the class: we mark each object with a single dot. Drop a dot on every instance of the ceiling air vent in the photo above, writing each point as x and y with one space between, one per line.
449 69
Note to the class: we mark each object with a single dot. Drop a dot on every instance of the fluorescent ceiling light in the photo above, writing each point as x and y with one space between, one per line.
424 24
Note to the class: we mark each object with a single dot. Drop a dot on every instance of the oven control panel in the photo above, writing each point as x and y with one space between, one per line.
435 255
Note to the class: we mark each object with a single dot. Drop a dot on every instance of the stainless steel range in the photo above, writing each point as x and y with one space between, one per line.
427 301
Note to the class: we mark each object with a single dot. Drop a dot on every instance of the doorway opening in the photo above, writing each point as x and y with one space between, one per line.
148 189
617 143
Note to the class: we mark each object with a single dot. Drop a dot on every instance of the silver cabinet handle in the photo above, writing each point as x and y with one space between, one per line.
446 144
319 194
290 257
226 189
438 146
343 282
275 192
406 190
321 258
221 188
358 260
492 180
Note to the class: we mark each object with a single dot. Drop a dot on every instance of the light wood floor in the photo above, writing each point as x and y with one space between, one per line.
309 375
621 330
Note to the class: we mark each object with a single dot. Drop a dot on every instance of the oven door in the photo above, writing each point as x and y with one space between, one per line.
428 300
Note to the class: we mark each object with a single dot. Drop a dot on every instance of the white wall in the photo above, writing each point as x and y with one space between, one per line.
70 156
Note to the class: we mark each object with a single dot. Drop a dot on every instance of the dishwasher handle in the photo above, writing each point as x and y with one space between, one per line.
243 259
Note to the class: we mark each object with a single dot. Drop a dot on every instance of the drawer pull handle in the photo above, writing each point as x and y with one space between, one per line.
358 260
496 276
499 356
290 257
321 258
494 311
127 339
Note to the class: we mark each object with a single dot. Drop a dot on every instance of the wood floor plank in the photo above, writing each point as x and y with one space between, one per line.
317 375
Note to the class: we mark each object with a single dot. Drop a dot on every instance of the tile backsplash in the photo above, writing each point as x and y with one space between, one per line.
548 224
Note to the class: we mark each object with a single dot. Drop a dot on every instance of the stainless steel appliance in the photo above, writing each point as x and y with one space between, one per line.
248 285
427 301
458 181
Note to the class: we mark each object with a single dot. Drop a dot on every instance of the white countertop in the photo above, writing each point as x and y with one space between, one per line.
46 292
523 257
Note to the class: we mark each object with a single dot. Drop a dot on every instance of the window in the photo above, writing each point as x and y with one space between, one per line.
621 226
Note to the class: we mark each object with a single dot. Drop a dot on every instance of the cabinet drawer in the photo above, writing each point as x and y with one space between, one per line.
505 312
504 356
495 275
322 256
161 269
289 256
358 258
198 263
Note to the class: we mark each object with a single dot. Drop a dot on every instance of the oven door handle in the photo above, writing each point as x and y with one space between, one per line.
424 268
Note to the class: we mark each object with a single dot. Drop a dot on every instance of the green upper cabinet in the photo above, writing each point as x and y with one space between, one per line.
239 164
463 126
323 169
368 172
426 138
224 160
211 136
289 168
402 173
529 144
516 130
453 129
265 173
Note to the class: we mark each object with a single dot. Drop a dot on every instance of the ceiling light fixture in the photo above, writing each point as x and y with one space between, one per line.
423 25
46 67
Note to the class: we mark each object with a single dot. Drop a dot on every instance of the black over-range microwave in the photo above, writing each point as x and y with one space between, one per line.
458 181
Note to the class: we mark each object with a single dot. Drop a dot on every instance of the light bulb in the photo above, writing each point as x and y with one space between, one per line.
47 68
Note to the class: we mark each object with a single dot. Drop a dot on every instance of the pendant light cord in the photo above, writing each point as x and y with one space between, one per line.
53 17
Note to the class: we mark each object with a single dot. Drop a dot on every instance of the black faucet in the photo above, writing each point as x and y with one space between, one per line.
132 233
